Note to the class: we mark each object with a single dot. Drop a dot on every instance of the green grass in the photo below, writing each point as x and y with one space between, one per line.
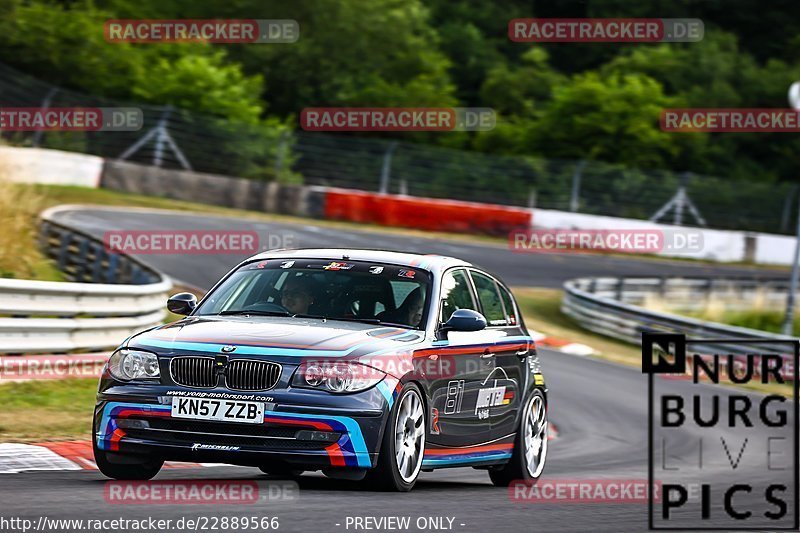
771 321
47 410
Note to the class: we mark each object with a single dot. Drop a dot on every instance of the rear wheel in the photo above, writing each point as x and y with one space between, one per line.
530 445
403 446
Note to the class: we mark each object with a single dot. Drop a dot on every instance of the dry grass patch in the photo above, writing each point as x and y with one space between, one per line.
20 256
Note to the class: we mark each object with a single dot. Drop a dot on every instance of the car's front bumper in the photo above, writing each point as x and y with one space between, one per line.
297 430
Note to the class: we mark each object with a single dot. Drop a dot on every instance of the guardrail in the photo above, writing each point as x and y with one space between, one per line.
123 296
84 258
687 294
599 305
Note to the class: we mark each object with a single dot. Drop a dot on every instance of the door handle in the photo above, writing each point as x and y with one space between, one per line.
522 353
487 355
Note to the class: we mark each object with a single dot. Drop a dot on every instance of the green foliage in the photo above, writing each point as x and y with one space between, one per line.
65 45
203 83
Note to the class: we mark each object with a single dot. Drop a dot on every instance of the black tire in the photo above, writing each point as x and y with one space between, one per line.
124 466
386 476
516 469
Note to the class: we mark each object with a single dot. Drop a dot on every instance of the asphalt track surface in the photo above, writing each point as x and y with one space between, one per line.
600 409
517 269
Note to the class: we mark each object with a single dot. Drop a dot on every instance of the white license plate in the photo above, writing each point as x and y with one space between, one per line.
222 410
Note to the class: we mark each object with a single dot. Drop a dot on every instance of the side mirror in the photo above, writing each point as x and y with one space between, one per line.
465 320
182 303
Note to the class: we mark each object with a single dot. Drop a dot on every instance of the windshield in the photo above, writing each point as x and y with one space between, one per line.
333 290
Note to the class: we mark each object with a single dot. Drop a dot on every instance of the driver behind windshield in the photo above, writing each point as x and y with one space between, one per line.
296 295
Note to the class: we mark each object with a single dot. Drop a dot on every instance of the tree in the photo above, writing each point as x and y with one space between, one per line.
65 45
613 118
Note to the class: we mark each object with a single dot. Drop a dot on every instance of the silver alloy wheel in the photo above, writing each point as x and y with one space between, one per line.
535 436
409 436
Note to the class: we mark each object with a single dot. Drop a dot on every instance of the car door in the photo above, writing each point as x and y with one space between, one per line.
502 393
456 368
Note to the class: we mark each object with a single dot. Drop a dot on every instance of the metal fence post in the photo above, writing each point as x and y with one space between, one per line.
387 168
787 209
280 154
37 137
162 137
574 199
532 198
788 319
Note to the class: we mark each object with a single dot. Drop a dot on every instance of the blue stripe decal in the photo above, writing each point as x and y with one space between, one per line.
108 424
440 461
353 431
261 350
386 391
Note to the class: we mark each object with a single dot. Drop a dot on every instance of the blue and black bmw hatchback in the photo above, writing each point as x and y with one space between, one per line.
363 364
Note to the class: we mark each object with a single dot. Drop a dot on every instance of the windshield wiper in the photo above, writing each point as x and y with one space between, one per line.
304 315
371 321
253 312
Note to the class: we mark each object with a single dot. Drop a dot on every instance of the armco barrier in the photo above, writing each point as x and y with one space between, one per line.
605 314
211 189
55 317
694 293
423 213
83 258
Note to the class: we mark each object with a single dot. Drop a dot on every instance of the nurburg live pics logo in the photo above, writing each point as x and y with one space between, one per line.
726 458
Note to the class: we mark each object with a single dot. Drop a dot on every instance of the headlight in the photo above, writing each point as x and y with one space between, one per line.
126 365
336 377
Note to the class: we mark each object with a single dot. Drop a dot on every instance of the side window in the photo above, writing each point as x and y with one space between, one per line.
456 294
490 300
508 302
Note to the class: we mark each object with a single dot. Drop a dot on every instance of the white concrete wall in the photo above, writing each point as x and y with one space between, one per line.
718 245
774 249
38 165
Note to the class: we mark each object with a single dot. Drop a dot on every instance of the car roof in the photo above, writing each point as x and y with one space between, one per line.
431 262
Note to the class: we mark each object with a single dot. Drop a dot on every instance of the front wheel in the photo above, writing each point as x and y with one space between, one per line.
124 466
403 445
530 445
